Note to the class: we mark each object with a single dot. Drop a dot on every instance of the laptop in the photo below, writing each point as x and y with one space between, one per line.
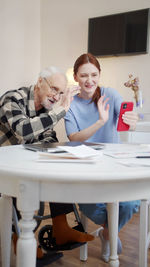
54 147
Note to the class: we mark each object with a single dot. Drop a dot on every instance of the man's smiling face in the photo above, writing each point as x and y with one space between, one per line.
50 90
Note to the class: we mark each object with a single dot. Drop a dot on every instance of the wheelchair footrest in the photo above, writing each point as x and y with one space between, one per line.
68 246
48 258
48 243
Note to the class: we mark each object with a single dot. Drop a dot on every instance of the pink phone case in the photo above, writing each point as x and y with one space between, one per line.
125 106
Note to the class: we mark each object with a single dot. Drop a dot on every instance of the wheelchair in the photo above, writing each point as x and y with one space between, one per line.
47 243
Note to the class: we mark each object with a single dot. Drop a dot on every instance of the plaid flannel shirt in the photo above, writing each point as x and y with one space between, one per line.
21 123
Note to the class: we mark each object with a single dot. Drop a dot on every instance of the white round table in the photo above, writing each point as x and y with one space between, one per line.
21 176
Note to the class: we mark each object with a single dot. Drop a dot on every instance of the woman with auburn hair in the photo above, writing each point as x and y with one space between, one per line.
92 117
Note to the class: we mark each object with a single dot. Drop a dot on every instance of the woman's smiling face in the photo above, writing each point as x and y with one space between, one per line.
88 77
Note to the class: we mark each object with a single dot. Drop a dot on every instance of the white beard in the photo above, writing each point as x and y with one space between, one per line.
47 104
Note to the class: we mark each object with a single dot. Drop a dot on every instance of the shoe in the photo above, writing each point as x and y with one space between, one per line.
105 251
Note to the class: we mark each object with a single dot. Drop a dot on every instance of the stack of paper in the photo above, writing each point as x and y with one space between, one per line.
79 154
137 157
136 162
127 154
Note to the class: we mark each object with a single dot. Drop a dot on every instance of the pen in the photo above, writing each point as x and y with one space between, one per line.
143 157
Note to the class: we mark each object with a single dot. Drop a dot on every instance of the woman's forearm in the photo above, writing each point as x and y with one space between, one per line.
85 134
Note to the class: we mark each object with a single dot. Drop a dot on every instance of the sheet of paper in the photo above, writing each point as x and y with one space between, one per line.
119 154
81 151
61 160
126 154
135 163
64 157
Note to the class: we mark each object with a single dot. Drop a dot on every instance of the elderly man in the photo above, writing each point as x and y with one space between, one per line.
28 115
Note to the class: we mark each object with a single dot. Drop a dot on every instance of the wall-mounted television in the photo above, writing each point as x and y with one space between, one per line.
119 34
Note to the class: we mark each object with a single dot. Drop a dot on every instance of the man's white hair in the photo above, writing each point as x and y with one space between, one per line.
47 72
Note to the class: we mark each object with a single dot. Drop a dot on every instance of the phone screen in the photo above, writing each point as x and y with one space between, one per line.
125 106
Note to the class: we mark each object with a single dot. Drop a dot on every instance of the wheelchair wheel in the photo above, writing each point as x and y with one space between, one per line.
46 241
38 216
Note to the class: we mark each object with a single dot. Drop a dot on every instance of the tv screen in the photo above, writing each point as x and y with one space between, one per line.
119 34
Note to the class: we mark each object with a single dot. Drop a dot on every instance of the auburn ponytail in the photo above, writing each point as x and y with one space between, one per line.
96 95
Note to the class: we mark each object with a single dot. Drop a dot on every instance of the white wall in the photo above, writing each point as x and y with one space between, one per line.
65 33
19 43
63 25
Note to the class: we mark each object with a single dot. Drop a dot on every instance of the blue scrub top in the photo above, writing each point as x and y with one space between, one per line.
83 114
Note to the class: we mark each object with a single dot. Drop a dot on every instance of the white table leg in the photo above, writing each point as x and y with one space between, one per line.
148 223
27 203
84 248
143 246
6 229
26 245
113 210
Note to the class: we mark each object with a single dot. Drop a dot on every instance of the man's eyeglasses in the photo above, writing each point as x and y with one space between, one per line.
53 89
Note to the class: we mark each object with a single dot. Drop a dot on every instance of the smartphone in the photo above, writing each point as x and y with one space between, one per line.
125 106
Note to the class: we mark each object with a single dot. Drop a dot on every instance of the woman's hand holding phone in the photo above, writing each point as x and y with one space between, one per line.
126 116
130 118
